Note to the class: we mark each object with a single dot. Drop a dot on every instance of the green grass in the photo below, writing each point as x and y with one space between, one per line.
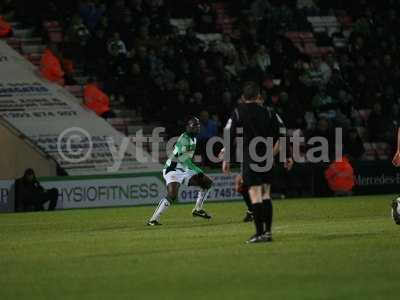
342 248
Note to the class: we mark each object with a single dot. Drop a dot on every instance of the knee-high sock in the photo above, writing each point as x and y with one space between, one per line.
201 197
268 214
161 208
258 218
246 198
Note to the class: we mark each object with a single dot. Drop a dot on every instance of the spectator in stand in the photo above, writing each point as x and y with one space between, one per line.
136 8
231 69
127 31
196 103
143 38
316 77
379 125
208 129
155 63
204 17
9 9
96 100
5 28
353 146
226 104
291 111
96 53
325 69
225 46
262 58
192 45
50 65
137 87
324 105
91 13
142 59
253 72
31 196
117 11
280 59
324 129
357 48
337 83
203 74
77 35
116 46
158 17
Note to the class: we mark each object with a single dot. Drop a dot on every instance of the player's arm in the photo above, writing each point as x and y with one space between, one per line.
180 152
396 158
281 131
229 152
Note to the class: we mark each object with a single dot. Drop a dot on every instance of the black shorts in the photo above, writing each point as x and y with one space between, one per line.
253 178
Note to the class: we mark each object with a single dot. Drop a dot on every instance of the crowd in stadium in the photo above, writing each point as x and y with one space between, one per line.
147 59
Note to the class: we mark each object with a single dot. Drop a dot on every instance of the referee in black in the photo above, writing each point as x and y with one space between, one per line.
260 128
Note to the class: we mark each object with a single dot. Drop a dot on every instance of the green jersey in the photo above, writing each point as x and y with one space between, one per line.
182 156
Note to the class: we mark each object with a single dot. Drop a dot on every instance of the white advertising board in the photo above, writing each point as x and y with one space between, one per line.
120 191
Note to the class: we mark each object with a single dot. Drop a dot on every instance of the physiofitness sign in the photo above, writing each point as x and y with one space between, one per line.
109 191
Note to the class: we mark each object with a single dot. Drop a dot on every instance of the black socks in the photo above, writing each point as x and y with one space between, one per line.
263 214
268 214
246 198
258 212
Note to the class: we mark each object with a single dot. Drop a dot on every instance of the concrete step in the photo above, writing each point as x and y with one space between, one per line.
23 33
31 41
32 49
81 80
14 43
124 113
17 25
34 58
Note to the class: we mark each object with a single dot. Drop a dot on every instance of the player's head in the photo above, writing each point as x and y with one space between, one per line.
251 92
192 125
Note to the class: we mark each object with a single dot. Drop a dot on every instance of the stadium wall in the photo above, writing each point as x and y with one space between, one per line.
17 154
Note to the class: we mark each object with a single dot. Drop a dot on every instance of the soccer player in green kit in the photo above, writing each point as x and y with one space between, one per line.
180 169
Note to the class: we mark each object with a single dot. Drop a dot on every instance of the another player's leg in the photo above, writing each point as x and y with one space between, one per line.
165 203
268 211
249 213
205 183
396 210
245 194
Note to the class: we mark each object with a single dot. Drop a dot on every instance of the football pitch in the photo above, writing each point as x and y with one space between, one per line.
333 248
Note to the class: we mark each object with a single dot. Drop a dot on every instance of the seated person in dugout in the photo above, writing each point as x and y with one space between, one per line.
31 196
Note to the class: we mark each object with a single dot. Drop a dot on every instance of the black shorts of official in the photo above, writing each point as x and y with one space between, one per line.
253 178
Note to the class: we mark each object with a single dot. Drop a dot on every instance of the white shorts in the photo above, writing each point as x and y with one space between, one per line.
182 177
